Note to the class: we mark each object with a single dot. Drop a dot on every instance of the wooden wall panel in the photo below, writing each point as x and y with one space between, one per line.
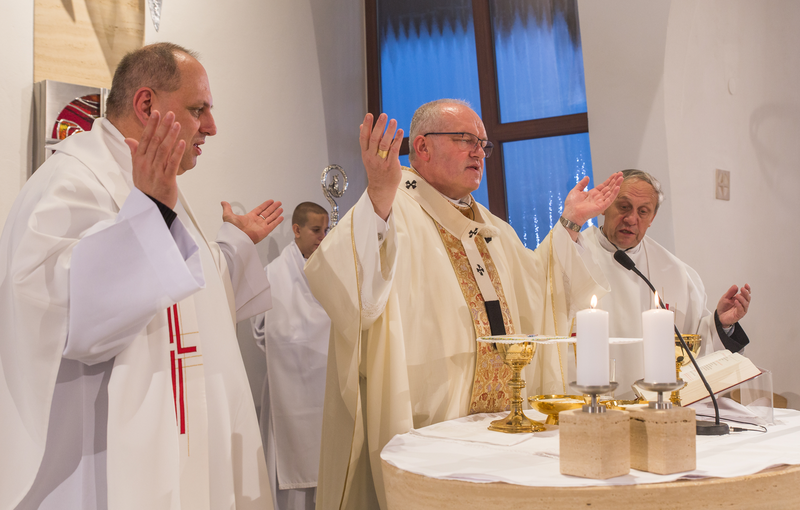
81 41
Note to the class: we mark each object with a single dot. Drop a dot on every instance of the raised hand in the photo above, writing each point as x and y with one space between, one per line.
733 305
157 157
258 223
380 152
580 206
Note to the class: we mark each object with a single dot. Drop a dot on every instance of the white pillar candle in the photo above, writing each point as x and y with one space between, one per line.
659 345
592 338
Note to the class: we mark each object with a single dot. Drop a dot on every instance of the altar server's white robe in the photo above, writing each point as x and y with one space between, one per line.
294 333
678 285
88 407
414 363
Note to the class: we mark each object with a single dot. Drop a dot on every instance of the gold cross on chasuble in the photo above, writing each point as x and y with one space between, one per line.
490 391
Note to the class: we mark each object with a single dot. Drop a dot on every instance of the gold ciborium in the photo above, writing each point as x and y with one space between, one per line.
682 359
516 353
551 405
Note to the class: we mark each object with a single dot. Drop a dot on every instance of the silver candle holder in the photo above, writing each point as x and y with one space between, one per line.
594 391
660 388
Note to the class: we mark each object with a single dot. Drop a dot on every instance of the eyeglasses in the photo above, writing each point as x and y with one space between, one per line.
470 142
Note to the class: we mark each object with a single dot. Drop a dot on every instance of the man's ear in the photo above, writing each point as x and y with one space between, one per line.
421 148
296 230
143 104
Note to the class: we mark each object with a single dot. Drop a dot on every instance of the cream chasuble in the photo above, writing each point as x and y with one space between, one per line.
403 342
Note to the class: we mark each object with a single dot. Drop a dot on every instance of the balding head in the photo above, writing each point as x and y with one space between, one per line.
429 118
154 66
445 146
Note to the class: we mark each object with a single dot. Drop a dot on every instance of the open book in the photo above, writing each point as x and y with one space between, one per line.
722 369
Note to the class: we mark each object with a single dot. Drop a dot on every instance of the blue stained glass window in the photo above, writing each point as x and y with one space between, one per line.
539 174
539 60
427 52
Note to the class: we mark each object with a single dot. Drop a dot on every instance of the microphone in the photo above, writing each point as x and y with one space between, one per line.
703 428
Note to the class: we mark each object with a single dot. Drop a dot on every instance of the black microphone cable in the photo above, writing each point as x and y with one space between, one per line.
703 428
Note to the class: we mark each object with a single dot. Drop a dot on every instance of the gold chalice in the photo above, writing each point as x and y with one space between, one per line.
551 405
516 353
682 359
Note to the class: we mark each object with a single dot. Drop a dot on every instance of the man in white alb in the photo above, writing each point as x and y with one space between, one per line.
121 381
413 274
624 228
294 334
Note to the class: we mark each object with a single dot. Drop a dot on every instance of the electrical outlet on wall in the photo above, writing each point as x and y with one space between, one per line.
723 184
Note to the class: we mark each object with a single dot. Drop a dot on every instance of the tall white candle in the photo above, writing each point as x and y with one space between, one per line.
592 338
659 345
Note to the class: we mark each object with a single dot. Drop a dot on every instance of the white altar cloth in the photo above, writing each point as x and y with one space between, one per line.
463 449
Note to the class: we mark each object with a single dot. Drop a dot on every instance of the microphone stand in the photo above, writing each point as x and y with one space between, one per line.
704 428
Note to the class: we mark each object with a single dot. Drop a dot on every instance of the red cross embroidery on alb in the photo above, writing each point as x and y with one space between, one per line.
180 355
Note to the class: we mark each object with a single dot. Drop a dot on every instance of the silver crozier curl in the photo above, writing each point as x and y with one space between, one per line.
155 12
334 184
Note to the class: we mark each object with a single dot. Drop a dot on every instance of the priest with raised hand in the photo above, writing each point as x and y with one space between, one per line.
121 381
413 274
679 286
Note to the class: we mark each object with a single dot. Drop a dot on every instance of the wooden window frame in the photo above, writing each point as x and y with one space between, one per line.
498 132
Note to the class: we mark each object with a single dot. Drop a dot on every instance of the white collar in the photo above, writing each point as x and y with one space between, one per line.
461 203
609 246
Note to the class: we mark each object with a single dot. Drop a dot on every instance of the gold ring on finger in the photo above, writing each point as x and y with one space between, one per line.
383 154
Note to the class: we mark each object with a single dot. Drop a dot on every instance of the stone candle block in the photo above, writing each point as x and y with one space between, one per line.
594 445
663 441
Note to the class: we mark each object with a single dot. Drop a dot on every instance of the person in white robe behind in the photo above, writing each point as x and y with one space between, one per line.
679 286
121 381
413 274
294 335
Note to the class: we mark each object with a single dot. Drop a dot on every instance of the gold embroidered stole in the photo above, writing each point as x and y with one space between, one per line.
490 386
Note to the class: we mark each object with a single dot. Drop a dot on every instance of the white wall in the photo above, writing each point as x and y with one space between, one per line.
731 86
623 56
288 82
16 91
659 77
